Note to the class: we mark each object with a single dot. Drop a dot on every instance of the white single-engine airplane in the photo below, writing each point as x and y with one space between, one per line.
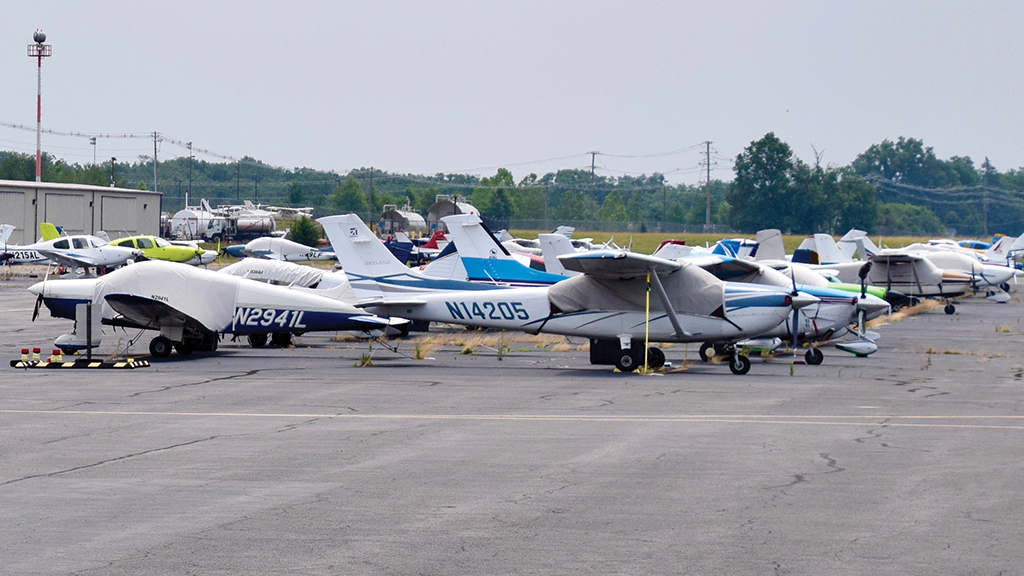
71 252
190 306
610 303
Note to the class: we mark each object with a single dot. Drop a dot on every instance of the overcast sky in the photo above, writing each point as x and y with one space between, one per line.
427 87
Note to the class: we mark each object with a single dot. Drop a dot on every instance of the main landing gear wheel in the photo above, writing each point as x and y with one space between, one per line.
739 364
281 339
184 348
160 347
1005 286
257 340
626 362
655 358
950 309
814 357
707 352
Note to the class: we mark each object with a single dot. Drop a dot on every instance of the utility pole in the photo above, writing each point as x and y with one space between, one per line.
154 162
593 159
112 161
707 205
189 191
371 189
238 181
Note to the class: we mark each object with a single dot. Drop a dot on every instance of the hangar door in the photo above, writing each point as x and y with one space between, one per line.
69 211
118 216
12 211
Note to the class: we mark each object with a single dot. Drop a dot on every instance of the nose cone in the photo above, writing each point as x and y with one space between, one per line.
37 288
802 299
872 305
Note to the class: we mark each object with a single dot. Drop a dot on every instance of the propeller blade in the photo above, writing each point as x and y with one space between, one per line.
35 312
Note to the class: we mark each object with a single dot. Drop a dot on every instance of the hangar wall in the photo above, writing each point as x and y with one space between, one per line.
77 208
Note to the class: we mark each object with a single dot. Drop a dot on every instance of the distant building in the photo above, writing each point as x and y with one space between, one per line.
77 208
447 205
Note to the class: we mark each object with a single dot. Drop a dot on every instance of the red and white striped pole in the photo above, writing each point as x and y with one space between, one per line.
39 51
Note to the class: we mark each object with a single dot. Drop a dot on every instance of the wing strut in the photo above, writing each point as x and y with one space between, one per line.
656 282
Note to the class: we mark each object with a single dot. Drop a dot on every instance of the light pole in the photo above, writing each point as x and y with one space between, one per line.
39 51
112 160
93 142
189 174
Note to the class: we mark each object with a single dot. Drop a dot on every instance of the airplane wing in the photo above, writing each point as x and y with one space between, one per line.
617 264
142 312
69 259
896 258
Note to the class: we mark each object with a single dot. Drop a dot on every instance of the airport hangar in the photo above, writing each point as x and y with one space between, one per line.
77 208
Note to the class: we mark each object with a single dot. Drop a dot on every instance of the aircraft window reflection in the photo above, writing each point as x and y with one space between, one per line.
145 243
161 243
98 242
79 243
61 244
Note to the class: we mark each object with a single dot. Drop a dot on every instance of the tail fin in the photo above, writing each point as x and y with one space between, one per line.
485 259
553 246
205 205
358 250
828 251
472 239
5 233
769 245
48 231
103 236
857 241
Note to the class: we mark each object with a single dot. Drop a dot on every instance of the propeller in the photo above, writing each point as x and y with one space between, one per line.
39 303
861 313
796 311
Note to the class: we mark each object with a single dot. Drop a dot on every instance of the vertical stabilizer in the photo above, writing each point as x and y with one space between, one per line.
485 259
48 231
5 233
358 250
553 246
769 245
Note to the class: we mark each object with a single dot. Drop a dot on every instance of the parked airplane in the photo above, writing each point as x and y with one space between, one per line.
190 306
606 303
71 252
156 248
273 248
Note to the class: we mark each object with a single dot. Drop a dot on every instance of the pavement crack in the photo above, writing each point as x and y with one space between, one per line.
166 388
108 461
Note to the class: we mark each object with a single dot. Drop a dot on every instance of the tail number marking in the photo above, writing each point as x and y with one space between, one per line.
267 316
487 310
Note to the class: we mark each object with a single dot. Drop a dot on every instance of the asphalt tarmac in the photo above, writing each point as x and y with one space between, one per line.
528 461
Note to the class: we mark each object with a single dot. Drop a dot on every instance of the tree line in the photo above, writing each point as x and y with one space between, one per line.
892 187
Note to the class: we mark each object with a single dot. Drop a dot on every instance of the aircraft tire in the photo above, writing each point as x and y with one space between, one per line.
814 357
184 348
950 309
655 358
626 362
1005 286
704 349
257 340
160 347
739 364
281 339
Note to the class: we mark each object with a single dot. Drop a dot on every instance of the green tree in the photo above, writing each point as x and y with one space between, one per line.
305 231
296 195
760 196
907 219
612 209
349 197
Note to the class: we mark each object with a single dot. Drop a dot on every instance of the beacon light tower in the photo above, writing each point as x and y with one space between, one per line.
39 51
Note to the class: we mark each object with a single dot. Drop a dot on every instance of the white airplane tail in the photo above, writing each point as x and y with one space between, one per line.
5 233
828 251
471 239
553 246
769 245
358 250
1007 247
856 242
